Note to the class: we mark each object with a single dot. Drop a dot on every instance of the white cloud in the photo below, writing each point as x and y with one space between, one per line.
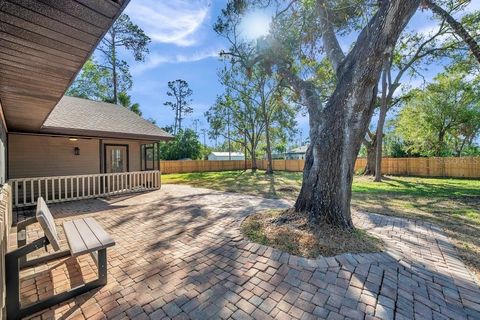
174 22
155 60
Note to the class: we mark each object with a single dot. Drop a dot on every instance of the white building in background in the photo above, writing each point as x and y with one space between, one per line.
225 156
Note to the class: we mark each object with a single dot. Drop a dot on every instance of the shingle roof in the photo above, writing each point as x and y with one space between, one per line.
301 149
76 116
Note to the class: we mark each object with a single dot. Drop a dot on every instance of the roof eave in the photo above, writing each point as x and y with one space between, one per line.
27 106
104 134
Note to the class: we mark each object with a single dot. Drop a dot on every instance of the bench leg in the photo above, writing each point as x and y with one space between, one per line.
54 300
14 309
12 283
12 275
102 266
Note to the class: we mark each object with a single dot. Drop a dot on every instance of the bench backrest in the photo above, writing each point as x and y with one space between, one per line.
45 218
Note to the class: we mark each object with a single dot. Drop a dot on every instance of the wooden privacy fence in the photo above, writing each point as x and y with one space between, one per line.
295 165
185 166
464 167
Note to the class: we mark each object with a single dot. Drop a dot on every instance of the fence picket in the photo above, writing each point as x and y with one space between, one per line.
32 199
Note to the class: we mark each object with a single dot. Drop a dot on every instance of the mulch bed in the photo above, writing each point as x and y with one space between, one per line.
290 231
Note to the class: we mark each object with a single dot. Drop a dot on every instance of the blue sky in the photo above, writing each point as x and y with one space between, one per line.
185 46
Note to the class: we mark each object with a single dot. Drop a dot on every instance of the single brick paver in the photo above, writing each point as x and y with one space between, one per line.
180 254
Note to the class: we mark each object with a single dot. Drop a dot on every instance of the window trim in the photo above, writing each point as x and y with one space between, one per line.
145 160
143 156
105 155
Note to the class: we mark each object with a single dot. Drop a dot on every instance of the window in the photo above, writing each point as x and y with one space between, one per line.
149 156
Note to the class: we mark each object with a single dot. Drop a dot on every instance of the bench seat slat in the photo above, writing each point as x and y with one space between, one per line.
103 237
86 236
75 242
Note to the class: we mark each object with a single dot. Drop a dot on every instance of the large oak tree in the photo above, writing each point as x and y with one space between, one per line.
338 126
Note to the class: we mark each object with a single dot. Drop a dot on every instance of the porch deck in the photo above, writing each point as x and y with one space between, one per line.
180 254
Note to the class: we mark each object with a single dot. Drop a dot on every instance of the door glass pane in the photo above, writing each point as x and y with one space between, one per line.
117 164
116 159
149 158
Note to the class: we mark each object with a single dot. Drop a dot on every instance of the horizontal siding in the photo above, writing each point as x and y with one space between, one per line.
43 156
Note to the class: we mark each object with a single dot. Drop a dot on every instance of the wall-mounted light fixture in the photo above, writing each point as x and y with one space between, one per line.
72 139
76 150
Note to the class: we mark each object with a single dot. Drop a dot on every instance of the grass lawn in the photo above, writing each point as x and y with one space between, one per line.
453 204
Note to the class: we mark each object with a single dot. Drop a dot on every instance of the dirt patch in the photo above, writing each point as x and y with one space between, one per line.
290 231
288 189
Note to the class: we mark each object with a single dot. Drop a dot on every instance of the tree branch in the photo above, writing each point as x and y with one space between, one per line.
456 26
330 42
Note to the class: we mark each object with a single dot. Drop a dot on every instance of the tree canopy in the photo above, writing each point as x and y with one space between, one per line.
180 92
107 74
185 145
444 118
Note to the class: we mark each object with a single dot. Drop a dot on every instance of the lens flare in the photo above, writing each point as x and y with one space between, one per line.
255 24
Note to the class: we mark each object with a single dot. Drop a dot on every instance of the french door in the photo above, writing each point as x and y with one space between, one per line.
116 158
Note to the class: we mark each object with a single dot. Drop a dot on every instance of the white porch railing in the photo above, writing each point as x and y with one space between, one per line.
67 188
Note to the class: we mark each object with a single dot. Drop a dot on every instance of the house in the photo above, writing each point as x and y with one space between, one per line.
44 45
82 137
226 156
296 153
293 154
59 147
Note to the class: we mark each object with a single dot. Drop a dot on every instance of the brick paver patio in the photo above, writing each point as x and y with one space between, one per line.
180 255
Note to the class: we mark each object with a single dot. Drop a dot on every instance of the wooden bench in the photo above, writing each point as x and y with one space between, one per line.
83 236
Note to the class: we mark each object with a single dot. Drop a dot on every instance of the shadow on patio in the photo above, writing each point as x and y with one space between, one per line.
180 254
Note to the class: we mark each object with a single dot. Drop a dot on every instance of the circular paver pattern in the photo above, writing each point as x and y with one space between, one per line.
180 255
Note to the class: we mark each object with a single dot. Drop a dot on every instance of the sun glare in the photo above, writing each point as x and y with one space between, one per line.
255 24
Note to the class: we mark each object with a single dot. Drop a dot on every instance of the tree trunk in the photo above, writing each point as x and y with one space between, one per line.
229 141
456 26
269 148
176 121
115 82
380 124
254 161
253 147
371 158
379 144
462 145
441 139
114 70
180 113
338 128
